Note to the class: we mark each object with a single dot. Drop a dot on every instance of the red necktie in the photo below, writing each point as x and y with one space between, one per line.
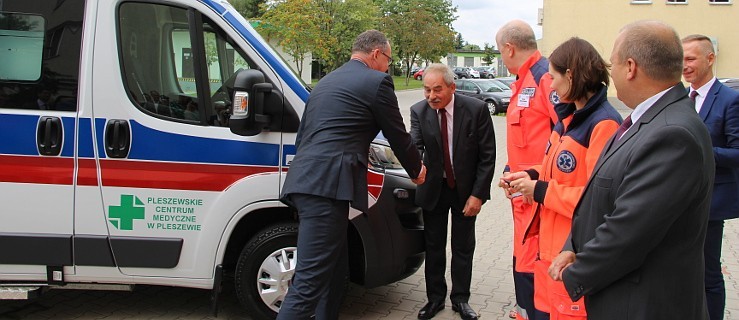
445 145
624 126
693 94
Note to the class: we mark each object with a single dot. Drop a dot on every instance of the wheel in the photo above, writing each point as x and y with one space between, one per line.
265 268
463 77
490 76
419 77
492 107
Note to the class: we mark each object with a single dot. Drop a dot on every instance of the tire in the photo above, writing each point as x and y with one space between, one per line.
265 268
463 77
490 76
418 77
492 107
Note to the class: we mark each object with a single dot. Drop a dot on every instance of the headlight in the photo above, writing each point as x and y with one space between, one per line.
382 157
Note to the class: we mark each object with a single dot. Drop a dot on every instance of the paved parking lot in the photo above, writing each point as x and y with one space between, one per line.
492 284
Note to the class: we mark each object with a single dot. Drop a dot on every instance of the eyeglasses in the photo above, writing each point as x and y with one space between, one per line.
389 59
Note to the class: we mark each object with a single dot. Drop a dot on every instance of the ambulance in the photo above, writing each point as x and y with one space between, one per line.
146 142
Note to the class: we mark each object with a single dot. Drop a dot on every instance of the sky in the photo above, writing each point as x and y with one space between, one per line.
479 20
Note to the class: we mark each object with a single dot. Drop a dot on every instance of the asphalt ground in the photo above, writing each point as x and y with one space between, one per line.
492 283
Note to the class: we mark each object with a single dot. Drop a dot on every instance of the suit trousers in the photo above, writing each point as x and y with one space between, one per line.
715 287
463 247
323 262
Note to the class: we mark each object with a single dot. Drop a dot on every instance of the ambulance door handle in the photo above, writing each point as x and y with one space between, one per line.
49 136
117 138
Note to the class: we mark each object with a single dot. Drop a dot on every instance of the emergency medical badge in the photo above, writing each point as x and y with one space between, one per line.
553 98
566 161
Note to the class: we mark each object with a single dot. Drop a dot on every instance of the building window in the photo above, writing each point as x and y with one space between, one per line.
719 1
641 1
677 1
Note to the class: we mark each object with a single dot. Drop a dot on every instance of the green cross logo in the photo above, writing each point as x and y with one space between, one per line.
122 216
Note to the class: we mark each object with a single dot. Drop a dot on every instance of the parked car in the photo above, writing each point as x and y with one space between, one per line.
495 93
466 72
419 74
508 81
730 82
486 72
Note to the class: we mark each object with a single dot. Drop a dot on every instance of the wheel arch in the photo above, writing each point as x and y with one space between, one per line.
248 226
254 221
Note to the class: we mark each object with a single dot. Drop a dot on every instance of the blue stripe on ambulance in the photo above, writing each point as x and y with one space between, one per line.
155 145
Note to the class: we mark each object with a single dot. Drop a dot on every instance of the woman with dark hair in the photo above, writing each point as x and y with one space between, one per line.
586 123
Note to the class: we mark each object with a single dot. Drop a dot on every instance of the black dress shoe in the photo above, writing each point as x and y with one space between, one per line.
465 311
431 309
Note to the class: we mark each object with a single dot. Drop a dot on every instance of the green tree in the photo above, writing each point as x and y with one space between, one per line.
442 10
249 8
489 54
345 19
420 30
469 46
296 26
459 42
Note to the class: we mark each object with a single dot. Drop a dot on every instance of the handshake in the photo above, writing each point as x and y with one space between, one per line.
421 176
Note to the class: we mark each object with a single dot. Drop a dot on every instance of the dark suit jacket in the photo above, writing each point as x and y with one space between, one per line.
720 113
473 149
344 113
639 227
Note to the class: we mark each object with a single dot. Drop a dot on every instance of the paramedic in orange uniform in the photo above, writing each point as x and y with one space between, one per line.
530 118
586 122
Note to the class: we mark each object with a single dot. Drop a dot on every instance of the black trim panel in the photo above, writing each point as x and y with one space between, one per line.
89 250
139 252
37 248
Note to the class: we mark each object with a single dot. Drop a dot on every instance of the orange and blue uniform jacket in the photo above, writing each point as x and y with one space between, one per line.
530 118
575 145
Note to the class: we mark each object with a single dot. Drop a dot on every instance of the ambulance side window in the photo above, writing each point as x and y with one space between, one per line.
148 61
40 55
176 63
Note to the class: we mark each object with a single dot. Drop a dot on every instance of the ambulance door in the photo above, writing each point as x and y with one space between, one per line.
40 46
167 156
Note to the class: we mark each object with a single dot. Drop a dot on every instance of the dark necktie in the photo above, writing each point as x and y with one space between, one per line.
445 145
693 94
624 126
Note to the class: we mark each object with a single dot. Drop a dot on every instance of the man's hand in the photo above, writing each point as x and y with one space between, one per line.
560 263
472 207
421 176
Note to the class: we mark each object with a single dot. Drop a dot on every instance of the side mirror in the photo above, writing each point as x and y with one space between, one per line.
247 113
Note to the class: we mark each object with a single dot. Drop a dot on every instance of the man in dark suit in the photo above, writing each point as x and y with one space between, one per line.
345 111
636 247
455 135
718 106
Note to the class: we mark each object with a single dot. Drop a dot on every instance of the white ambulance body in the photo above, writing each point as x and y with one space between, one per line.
119 164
